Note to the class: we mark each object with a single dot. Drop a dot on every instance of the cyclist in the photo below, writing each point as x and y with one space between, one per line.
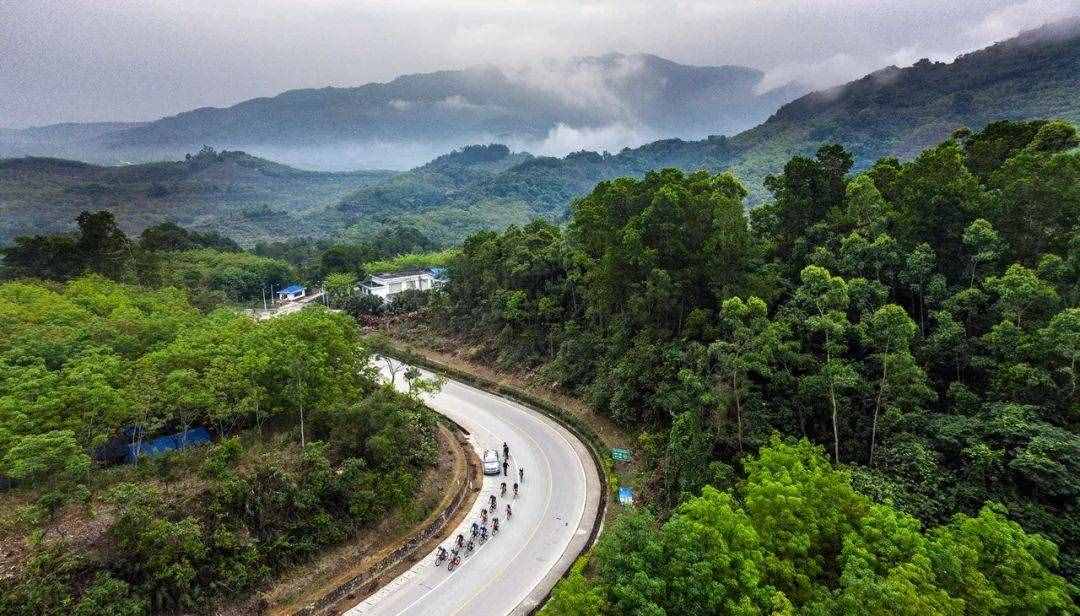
469 547
441 556
509 511
515 490
506 466
483 518
521 474
483 534
494 526
492 501
506 450
502 488
475 529
460 540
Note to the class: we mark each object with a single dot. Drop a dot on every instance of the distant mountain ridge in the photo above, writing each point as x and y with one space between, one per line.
590 99
891 112
238 195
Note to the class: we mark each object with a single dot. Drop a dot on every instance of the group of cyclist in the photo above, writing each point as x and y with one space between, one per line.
463 546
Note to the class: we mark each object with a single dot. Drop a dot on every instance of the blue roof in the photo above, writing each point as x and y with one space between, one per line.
296 288
165 444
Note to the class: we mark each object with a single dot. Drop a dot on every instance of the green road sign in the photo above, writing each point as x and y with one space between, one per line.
620 455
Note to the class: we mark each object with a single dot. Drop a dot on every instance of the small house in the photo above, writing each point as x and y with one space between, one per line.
291 292
389 284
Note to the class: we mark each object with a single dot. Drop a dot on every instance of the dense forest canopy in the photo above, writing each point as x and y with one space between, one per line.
311 447
920 321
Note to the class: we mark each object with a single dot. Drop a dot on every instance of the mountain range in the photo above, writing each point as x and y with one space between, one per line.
891 112
238 195
547 107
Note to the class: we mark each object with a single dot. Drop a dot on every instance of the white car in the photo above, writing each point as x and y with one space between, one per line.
492 463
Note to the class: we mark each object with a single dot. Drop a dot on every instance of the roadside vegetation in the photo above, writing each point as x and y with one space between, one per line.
309 447
861 397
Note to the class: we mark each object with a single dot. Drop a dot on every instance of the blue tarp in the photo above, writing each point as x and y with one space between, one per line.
289 290
165 444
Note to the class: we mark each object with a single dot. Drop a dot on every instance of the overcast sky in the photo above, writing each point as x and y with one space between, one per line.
86 60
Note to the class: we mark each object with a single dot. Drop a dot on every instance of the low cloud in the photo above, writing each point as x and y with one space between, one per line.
562 139
458 102
1010 20
586 85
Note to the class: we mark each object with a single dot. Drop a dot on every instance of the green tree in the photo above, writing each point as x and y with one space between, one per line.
996 568
889 331
865 205
102 245
51 459
575 596
984 246
747 348
339 286
825 298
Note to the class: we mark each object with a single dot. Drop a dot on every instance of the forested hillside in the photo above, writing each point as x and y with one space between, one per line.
312 449
247 198
917 322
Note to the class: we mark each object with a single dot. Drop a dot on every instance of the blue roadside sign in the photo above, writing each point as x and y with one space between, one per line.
626 495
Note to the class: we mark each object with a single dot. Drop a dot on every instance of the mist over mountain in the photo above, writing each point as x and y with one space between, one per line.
891 112
549 107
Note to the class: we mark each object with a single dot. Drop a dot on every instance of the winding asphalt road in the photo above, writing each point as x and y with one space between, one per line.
552 520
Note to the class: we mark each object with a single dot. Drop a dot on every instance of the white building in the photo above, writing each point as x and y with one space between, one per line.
389 284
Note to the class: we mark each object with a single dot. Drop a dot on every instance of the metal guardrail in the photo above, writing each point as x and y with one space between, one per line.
368 581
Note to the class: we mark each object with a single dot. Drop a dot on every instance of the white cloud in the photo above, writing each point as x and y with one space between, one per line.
457 102
141 59
562 139
1008 21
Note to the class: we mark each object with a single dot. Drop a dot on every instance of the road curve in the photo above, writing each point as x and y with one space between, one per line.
552 518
